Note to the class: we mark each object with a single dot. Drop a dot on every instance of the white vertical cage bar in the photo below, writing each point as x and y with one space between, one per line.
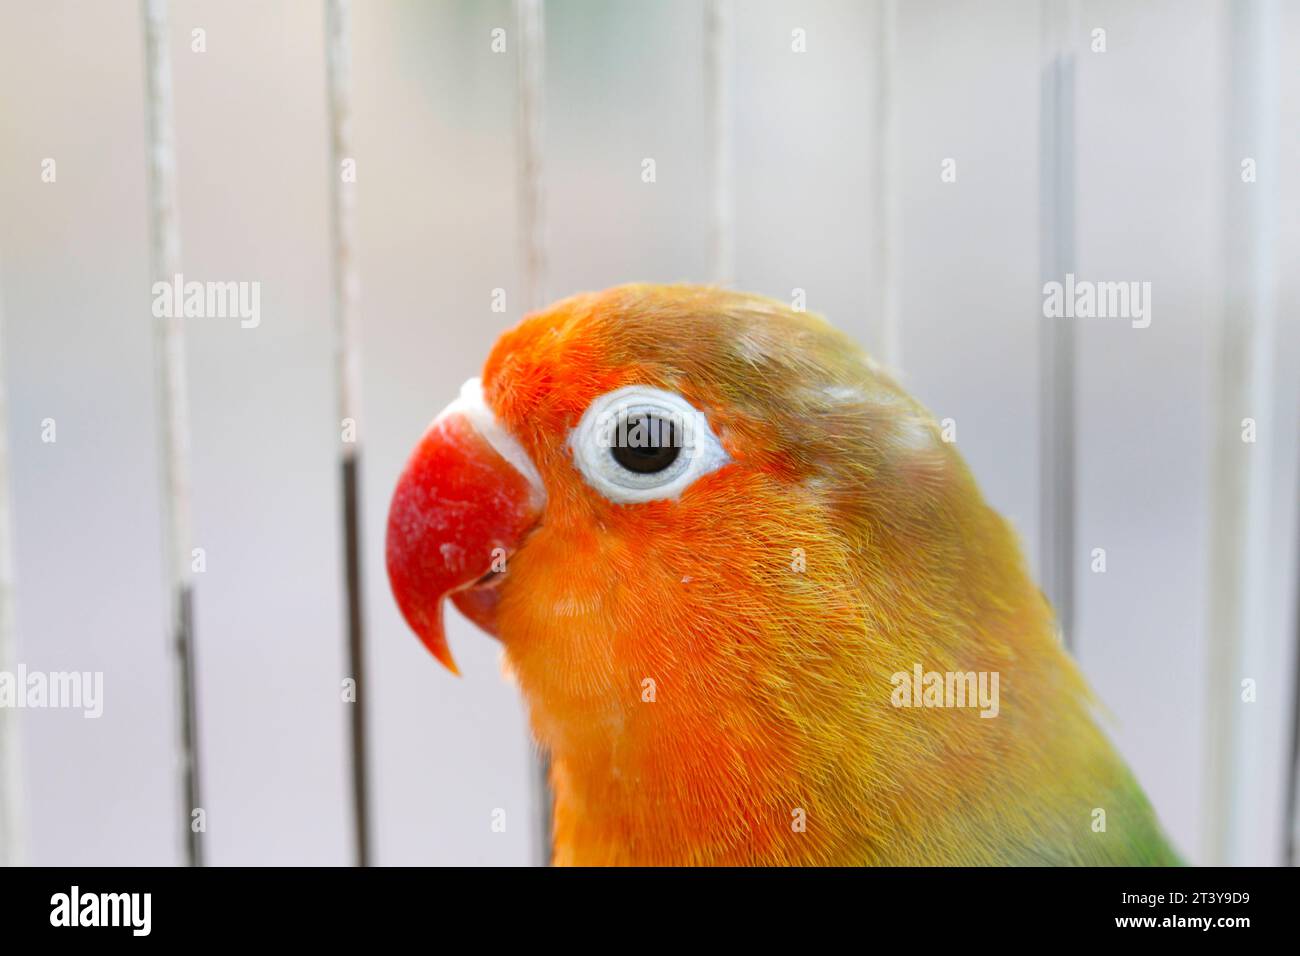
1239 630
532 207
888 339
173 411
531 227
1056 339
347 345
719 48
12 849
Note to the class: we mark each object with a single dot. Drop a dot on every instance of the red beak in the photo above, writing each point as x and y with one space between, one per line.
466 499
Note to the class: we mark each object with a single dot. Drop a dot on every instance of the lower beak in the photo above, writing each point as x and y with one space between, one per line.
466 499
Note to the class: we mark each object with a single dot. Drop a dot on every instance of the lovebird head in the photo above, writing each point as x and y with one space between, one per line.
755 601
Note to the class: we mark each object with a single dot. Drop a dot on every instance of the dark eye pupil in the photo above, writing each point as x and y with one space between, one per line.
646 444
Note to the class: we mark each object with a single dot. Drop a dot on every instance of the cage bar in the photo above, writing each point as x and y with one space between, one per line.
1056 339
11 796
1291 823
888 338
532 208
1239 631
347 344
531 227
173 412
719 41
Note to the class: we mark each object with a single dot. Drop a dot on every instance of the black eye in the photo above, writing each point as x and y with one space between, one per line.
645 444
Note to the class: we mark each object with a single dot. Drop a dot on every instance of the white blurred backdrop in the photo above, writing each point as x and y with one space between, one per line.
435 136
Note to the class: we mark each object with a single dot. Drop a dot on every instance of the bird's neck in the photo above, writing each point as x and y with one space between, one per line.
784 727
848 782
850 763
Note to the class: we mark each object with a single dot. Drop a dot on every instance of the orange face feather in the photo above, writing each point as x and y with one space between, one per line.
715 674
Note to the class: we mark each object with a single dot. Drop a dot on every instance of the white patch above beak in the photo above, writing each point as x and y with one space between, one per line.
470 403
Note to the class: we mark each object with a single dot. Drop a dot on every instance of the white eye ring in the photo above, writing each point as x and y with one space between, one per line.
605 423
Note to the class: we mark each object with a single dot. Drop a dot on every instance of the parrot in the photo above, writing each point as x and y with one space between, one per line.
756 604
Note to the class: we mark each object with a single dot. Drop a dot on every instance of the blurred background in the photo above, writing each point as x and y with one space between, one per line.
1156 166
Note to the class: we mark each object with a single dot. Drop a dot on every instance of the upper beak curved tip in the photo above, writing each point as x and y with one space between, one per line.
443 654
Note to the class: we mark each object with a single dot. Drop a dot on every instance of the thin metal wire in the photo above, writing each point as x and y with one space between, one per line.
718 52
1056 342
889 216
347 343
1291 825
173 411
532 206
12 849
1238 630
529 16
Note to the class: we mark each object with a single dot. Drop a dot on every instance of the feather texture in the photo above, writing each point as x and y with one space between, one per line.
714 676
